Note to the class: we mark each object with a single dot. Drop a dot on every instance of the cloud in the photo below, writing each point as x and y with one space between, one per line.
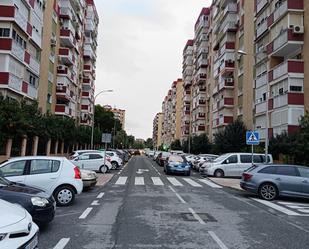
140 54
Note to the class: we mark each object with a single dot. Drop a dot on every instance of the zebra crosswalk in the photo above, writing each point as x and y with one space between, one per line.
162 181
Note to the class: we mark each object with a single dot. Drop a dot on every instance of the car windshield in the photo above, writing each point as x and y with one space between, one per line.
220 158
177 159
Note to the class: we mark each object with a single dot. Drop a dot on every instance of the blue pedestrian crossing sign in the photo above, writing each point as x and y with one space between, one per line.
252 138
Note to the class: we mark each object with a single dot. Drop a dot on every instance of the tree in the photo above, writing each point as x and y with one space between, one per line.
176 145
149 143
200 144
231 139
282 143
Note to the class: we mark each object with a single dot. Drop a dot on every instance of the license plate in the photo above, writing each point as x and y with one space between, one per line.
34 243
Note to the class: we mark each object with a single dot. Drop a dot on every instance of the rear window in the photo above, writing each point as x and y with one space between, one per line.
304 172
174 158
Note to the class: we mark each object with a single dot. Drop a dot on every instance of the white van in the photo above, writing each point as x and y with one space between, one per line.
233 164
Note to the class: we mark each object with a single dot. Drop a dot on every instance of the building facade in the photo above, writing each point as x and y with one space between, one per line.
157 130
118 114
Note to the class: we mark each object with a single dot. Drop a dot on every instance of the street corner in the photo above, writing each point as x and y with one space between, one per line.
233 183
104 179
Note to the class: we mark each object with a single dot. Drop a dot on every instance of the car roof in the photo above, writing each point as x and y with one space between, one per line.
35 157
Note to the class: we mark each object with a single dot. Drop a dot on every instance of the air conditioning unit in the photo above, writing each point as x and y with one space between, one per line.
229 80
61 67
298 29
230 61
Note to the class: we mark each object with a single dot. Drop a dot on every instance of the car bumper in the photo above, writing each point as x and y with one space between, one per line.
249 187
178 170
89 183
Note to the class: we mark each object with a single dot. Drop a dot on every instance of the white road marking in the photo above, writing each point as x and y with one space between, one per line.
139 181
306 211
174 181
191 182
276 207
100 196
62 243
196 216
95 203
293 203
121 180
85 213
210 183
216 238
157 181
178 196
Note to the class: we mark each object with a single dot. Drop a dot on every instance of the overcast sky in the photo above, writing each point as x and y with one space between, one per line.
140 54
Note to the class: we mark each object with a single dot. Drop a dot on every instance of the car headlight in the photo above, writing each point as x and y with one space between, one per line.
2 236
39 201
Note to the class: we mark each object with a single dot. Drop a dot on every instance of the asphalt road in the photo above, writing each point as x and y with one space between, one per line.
141 208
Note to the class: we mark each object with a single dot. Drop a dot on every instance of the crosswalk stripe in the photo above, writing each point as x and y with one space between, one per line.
121 180
173 181
210 183
157 181
306 211
191 182
139 181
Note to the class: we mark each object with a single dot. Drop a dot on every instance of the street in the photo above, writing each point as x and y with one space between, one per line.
141 207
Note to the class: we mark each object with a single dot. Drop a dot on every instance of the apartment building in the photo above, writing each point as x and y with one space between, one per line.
157 130
118 114
280 58
21 25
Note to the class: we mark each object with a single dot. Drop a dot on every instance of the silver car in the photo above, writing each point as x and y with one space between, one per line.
271 181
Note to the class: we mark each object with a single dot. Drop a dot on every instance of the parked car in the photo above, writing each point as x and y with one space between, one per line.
156 154
233 164
17 230
116 161
57 176
272 181
93 161
162 157
77 153
40 205
199 161
191 159
89 178
177 164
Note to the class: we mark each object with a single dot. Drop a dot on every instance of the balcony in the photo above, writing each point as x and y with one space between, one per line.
202 62
289 68
34 65
65 12
226 83
67 38
202 24
227 68
261 29
89 52
30 90
87 68
66 56
286 43
65 72
260 5
260 108
225 103
261 80
90 25
63 93
284 8
226 48
18 51
10 81
62 110
288 99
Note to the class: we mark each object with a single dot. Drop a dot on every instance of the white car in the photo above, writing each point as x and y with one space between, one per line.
57 176
93 161
116 161
17 230
77 153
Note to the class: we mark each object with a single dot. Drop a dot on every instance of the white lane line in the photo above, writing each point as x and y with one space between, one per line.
173 181
95 203
210 183
85 213
196 216
157 181
139 181
100 196
216 238
178 196
121 180
293 203
276 207
62 243
191 182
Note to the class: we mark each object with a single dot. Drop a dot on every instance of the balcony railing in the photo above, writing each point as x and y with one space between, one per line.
261 29
260 107
289 66
261 80
34 65
18 50
260 5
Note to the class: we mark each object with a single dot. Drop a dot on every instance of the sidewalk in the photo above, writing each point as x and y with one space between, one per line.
227 182
104 179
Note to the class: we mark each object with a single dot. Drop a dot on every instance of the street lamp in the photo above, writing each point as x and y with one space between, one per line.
92 126
241 52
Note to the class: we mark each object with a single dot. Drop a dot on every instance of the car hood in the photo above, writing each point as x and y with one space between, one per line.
24 190
10 214
176 164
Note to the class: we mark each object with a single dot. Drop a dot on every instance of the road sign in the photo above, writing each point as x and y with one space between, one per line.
252 138
106 138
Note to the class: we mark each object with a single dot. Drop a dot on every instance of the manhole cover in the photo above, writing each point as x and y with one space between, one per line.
188 217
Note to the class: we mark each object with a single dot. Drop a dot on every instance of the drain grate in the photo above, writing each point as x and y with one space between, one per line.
188 217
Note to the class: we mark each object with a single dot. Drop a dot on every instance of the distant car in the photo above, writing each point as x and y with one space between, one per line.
136 153
233 164
116 161
162 157
177 164
17 230
40 205
89 178
156 154
77 153
93 161
57 176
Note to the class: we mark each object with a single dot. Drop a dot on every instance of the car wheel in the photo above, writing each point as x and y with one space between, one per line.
268 191
64 196
114 165
219 173
103 169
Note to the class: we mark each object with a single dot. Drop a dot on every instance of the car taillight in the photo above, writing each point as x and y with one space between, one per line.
246 176
108 159
77 174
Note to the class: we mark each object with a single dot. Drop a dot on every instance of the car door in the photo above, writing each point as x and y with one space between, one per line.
230 166
96 161
43 173
15 171
83 162
288 180
304 179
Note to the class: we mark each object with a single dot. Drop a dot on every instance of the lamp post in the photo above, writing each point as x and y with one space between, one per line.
241 52
92 126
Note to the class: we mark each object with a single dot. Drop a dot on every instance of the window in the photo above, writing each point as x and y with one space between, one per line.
13 169
257 159
246 158
287 171
269 170
83 157
4 32
303 172
32 80
41 166
95 156
231 159
296 88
